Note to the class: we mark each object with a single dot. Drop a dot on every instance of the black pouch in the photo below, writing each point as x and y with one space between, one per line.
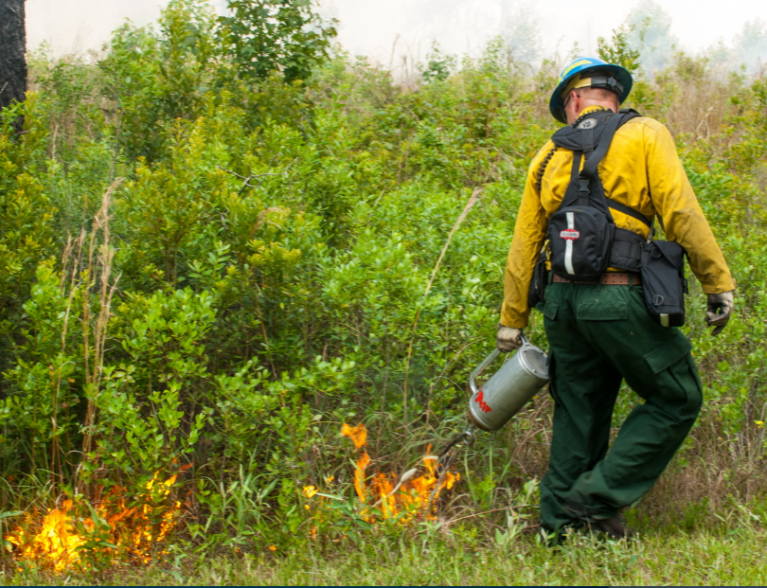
537 291
663 282
580 238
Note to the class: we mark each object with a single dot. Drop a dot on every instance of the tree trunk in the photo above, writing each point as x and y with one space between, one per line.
13 46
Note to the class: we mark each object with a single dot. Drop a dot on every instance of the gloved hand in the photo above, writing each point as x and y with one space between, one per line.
508 339
718 310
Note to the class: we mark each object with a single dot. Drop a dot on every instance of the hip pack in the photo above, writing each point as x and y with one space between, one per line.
663 282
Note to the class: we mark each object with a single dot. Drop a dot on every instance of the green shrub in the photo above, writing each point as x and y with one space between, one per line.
263 265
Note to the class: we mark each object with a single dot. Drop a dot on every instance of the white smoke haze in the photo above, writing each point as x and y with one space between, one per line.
387 31
75 26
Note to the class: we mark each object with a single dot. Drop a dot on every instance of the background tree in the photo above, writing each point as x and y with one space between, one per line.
649 33
521 34
13 65
618 50
720 56
263 36
751 46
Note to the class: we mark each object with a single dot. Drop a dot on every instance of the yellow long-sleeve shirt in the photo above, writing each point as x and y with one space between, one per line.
641 170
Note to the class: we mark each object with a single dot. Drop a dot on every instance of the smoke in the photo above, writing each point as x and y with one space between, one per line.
387 30
75 26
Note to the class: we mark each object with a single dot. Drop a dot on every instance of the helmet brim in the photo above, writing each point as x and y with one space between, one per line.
557 103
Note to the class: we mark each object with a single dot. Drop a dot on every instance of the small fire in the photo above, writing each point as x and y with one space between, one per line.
398 495
358 434
134 531
56 539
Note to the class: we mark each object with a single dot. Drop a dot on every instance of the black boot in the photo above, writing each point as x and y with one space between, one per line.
612 527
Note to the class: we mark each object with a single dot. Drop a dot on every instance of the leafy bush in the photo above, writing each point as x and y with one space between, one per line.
264 264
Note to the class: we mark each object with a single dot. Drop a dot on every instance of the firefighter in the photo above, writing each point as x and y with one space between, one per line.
600 332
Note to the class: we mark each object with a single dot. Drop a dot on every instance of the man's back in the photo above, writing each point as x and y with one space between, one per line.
623 171
641 170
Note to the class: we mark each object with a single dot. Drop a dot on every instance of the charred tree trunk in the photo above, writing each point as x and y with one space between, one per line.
13 46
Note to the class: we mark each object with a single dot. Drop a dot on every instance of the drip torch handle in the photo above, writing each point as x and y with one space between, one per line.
487 361
481 368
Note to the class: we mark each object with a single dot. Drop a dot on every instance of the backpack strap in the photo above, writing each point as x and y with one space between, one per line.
628 211
593 160
589 171
626 250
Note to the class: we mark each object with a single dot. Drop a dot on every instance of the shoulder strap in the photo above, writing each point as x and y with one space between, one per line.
593 160
620 207
592 163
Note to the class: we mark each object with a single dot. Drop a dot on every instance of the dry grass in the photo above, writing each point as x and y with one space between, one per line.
713 472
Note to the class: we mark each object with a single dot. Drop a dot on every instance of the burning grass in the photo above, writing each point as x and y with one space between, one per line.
65 538
387 495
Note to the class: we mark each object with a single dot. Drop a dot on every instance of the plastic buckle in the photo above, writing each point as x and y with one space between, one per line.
613 83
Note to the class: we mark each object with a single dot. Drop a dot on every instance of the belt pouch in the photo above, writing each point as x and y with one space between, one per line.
663 282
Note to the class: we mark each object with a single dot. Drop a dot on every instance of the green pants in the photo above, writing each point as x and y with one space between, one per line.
599 336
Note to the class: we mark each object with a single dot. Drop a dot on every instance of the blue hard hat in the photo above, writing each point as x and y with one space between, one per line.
584 65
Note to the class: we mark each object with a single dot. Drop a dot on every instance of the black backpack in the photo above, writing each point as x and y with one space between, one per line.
582 235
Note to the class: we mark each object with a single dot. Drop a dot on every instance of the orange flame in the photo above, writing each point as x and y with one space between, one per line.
358 434
359 475
398 496
56 538
134 531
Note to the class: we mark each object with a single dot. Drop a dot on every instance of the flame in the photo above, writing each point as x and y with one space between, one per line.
56 538
397 496
135 531
359 475
358 434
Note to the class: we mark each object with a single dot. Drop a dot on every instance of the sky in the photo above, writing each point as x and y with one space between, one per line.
370 27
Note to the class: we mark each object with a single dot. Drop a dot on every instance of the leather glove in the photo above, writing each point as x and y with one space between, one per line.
508 339
718 310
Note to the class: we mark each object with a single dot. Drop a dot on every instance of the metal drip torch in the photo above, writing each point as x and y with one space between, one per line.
510 388
502 396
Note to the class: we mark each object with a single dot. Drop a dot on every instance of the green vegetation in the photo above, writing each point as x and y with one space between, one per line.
716 559
208 268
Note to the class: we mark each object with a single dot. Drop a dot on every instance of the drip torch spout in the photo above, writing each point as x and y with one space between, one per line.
446 457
